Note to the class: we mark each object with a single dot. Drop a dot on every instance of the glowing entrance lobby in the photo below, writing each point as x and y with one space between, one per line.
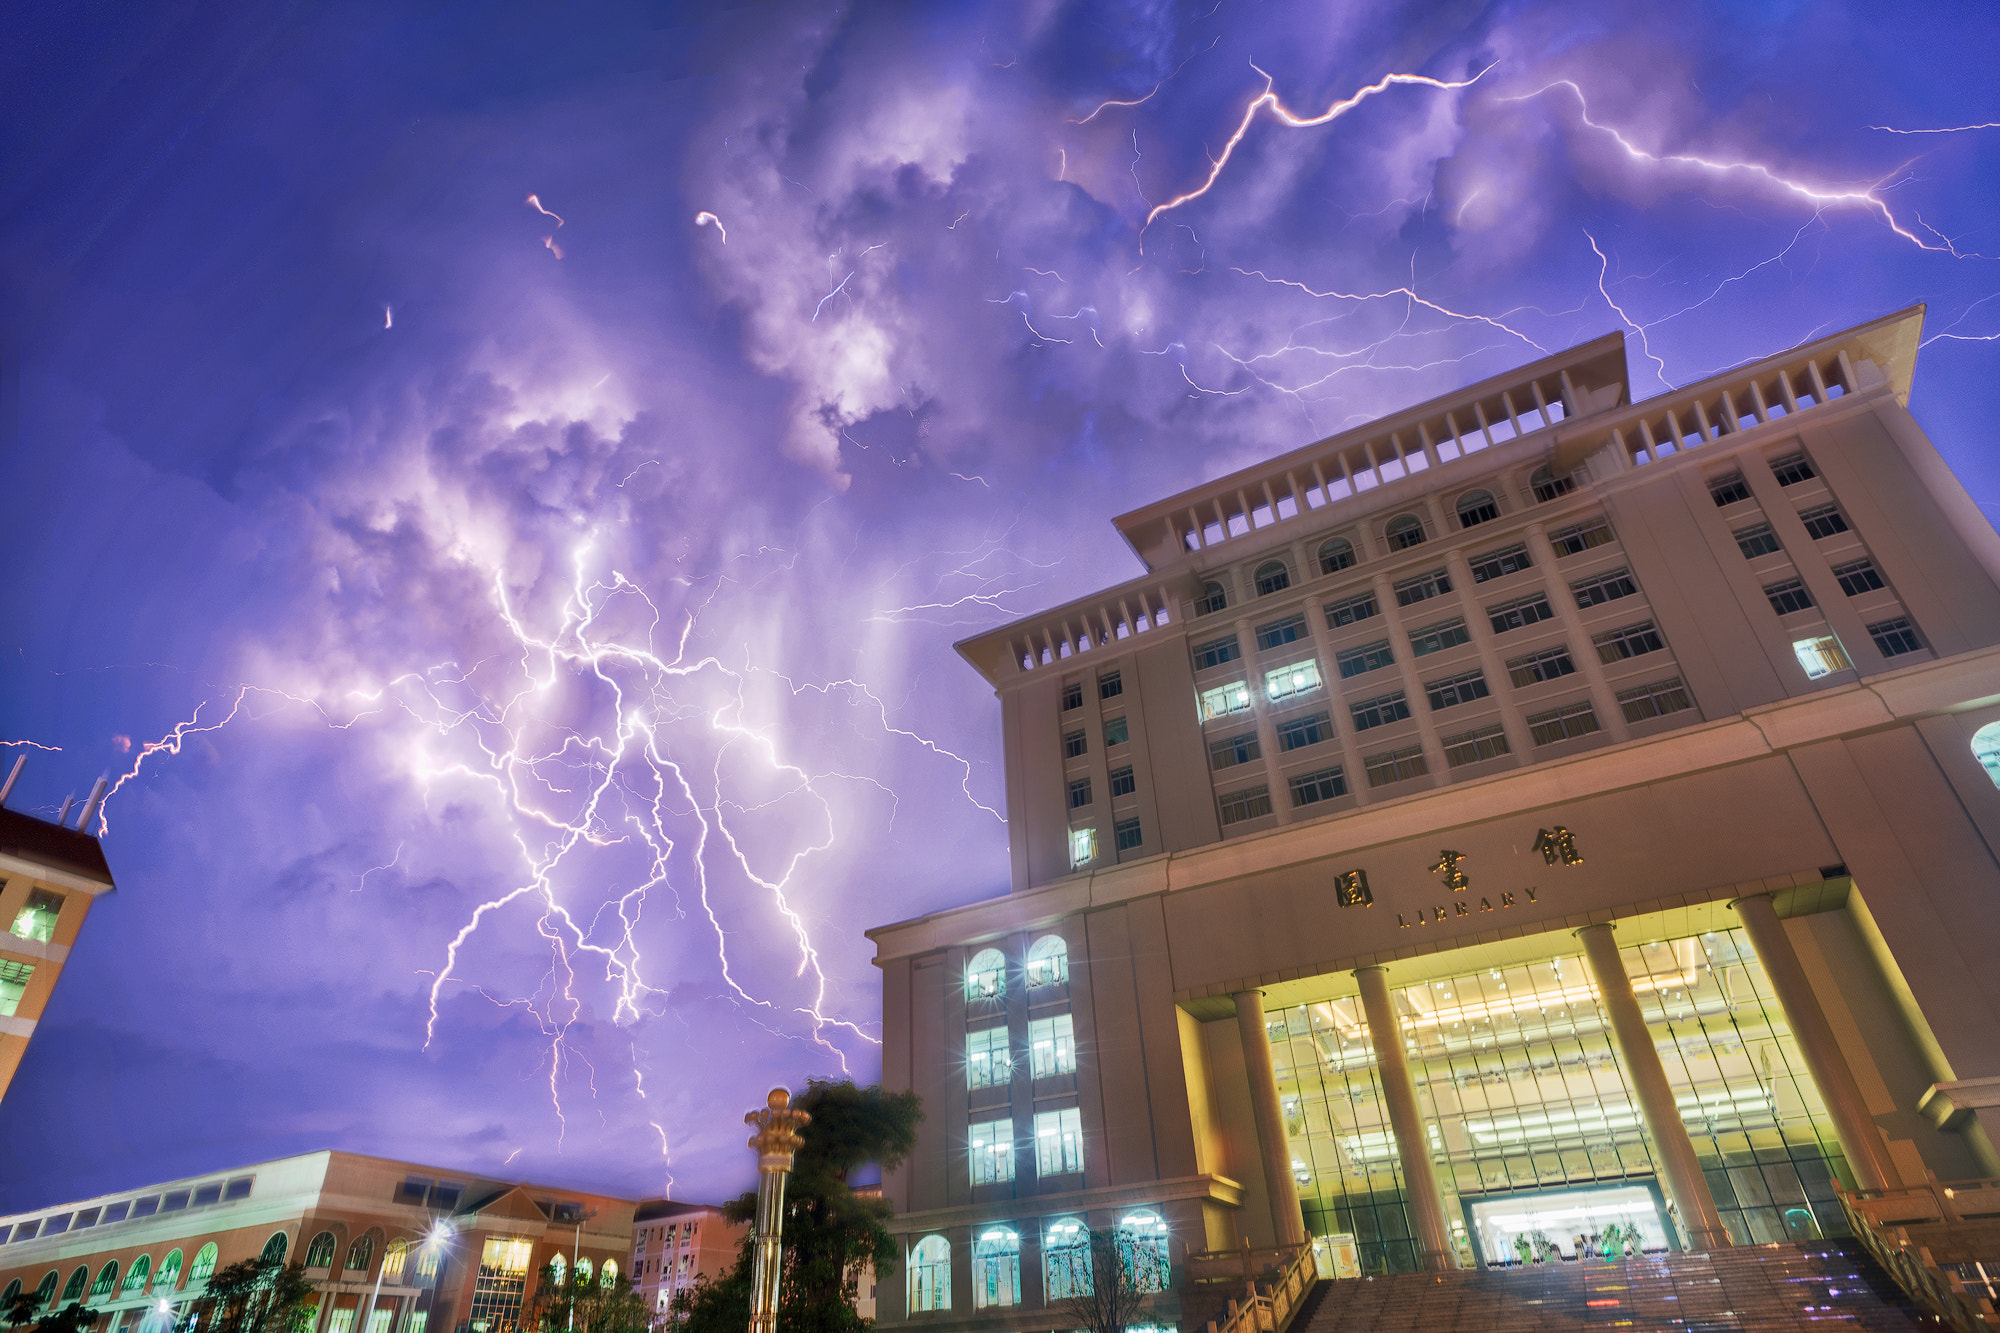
1531 830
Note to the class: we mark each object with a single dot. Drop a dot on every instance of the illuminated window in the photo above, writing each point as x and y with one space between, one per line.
1066 1259
996 1268
1231 698
991 1152
319 1254
1298 678
107 1280
608 1279
988 1062
360 1254
930 1275
394 1259
502 1281
584 1271
1986 749
142 1270
1335 554
37 919
1048 962
14 978
169 1275
1082 847
1272 576
558 1270
986 975
1052 1046
1404 531
1142 1245
1058 1143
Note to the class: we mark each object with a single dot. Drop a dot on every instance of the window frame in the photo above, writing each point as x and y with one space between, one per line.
1383 709
1363 658
1249 803
1454 691
1476 507
1396 533
1511 610
1325 784
1272 577
1351 610
1346 547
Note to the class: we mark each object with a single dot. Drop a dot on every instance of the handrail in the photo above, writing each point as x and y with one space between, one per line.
1263 1309
1912 1266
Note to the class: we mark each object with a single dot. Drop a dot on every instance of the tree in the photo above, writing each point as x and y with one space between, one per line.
72 1318
23 1307
831 1232
258 1296
1108 1281
576 1299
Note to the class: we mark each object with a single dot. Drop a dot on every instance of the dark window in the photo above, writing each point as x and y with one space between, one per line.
1548 486
1895 637
1498 564
146 1207
1519 615
1079 793
1436 638
1272 576
1250 803
1792 469
1380 711
1122 783
1422 588
1756 540
1395 766
1368 657
1336 554
1110 685
1350 610
1628 642
446 1195
1216 652
239 1188
1823 521
1606 587
114 1212
1234 750
1326 785
1476 508
414 1189
1578 539
1116 732
1857 577
1127 833
1470 747
208 1194
1549 664
1728 488
1459 689
1404 532
1289 630
1074 744
1789 596
1214 597
1304 731
1561 724
1655 700
1072 695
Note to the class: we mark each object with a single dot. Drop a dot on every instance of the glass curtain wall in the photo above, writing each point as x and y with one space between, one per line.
1521 1091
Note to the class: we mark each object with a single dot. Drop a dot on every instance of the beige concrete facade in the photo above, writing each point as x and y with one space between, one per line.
674 1244
391 1247
1738 641
50 877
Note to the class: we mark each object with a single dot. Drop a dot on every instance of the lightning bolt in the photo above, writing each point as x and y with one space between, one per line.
1287 117
1948 129
708 219
536 204
1604 267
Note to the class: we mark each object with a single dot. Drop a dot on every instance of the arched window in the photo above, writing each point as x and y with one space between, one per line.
360 1254
1476 507
1048 962
204 1264
319 1254
1404 530
13 1290
107 1280
169 1275
930 1275
1214 597
1986 749
1335 554
609 1277
1547 485
393 1260
135 1281
78 1282
1142 1249
584 1272
986 975
1066 1259
46 1292
429 1255
275 1248
1272 576
558 1270
996 1268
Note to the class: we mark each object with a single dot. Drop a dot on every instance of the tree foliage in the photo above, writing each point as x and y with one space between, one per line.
258 1296
831 1233
580 1301
26 1307
1108 1282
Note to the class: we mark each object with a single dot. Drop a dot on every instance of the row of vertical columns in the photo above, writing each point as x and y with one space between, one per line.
1286 1219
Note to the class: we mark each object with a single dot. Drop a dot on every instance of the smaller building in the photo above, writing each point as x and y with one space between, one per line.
50 874
675 1243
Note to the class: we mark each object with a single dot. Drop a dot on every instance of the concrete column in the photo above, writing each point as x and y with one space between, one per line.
1286 1219
1513 719
1867 1154
1413 1150
1680 1170
1603 700
1406 676
1267 730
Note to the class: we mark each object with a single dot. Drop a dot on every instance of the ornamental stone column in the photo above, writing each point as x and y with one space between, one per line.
1399 1093
776 1142
1286 1219
1680 1169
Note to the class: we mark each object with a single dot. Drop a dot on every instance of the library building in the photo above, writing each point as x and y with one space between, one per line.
1532 826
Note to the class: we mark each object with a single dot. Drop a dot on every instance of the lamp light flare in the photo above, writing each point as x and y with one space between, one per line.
1292 119
708 219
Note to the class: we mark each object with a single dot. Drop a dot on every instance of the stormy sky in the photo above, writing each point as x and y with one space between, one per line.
556 596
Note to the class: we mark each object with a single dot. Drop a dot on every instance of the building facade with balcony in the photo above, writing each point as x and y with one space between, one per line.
390 1247
1532 821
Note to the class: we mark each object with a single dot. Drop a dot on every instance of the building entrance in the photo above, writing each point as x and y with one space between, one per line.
1554 1226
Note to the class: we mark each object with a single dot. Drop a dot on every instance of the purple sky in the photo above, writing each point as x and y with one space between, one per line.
490 528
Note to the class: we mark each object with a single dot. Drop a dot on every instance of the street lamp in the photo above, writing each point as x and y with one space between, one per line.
776 1142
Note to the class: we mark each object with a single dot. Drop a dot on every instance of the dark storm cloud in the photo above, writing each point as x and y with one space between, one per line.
302 399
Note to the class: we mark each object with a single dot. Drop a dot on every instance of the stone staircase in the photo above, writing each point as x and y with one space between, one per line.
1824 1284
